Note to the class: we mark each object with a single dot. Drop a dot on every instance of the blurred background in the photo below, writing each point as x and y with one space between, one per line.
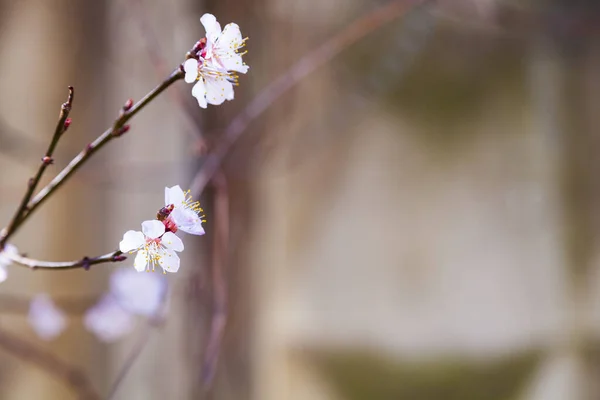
416 219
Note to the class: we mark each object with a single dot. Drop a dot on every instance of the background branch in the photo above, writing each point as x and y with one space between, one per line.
306 65
69 374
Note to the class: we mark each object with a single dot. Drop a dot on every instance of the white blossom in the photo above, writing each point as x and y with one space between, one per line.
154 246
140 294
214 69
108 320
6 261
184 212
222 47
47 320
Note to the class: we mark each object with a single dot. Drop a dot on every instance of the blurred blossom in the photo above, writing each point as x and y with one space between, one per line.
181 212
5 261
138 293
154 246
108 320
45 318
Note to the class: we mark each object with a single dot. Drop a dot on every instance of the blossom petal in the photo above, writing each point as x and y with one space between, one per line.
168 260
175 196
212 27
218 89
226 49
132 240
187 221
47 320
171 242
107 320
199 92
190 67
3 273
138 293
153 229
141 261
233 62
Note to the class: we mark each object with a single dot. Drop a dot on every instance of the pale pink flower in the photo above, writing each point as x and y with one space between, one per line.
154 246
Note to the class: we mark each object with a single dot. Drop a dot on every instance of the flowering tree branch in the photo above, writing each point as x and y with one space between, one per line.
28 205
85 262
61 127
306 65
54 366
115 131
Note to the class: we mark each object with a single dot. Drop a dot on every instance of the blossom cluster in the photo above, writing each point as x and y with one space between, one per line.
215 62
157 244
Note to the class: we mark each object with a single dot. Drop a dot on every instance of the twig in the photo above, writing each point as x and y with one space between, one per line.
131 358
85 262
61 127
309 63
219 283
116 130
71 375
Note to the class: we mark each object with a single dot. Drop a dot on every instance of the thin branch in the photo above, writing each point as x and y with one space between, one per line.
85 262
69 374
115 131
156 320
308 64
134 354
219 284
103 139
61 127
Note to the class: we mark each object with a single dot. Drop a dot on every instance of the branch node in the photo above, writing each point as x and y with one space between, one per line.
47 160
120 131
119 258
86 263
67 124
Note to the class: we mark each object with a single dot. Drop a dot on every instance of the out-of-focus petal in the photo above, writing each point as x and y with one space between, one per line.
45 318
107 320
138 293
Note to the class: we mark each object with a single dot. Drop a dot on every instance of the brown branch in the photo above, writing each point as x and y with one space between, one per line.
219 283
69 374
61 127
85 262
306 65
119 127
